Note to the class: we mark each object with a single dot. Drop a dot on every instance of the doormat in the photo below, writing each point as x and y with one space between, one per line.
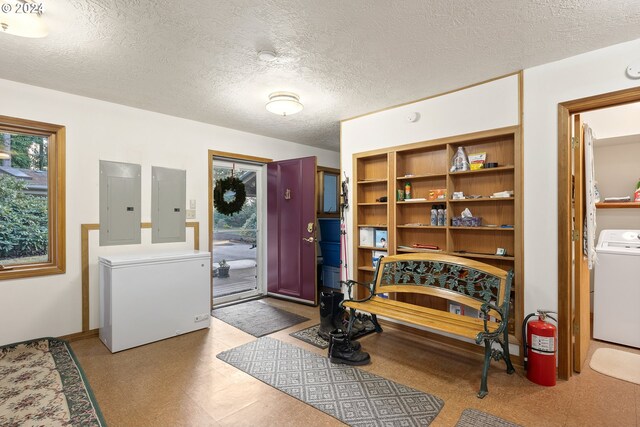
617 364
257 317
353 396
42 383
310 335
475 418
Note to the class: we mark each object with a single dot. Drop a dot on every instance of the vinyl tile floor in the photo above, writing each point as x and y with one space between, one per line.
180 382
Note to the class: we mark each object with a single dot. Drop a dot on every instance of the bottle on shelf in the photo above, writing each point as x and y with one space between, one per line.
407 190
441 218
636 194
434 215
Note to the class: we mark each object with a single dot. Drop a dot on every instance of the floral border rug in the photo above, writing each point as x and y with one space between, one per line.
41 383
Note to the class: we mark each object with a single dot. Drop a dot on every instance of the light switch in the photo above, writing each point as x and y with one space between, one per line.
192 204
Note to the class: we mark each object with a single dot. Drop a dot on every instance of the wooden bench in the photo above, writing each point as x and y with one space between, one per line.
471 283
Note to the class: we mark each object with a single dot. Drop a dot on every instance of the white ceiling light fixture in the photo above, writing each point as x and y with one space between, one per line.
284 103
633 70
267 56
22 18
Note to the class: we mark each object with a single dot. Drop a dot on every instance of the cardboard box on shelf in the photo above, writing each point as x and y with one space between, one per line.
437 194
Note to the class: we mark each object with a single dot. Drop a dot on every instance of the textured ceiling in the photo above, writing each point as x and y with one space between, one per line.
344 58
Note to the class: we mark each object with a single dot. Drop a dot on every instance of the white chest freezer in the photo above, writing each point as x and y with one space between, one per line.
149 297
616 306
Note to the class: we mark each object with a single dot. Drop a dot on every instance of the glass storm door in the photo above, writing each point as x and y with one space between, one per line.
236 248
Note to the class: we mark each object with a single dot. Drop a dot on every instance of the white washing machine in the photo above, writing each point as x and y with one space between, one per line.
616 311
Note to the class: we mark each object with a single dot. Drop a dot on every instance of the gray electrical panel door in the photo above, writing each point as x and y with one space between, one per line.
119 203
168 205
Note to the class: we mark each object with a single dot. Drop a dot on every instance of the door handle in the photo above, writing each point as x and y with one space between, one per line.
310 239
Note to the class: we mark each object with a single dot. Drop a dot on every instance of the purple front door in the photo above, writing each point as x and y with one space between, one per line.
291 229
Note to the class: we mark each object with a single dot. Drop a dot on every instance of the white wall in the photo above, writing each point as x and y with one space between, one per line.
589 74
51 306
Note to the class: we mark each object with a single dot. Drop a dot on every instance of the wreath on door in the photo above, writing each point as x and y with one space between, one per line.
229 195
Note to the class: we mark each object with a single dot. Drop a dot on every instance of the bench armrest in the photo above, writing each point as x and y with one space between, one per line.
350 283
503 321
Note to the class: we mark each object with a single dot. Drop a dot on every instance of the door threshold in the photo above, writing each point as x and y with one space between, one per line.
238 301
294 299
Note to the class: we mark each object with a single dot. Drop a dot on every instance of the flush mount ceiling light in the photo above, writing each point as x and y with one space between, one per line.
266 55
284 103
23 18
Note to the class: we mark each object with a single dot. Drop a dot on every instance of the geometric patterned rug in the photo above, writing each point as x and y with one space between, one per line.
353 396
42 384
475 418
257 318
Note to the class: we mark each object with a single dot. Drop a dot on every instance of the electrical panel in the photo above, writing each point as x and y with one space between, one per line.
168 205
119 203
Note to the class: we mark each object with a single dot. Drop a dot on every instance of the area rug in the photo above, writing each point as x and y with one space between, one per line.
41 383
310 335
475 418
353 396
617 364
257 317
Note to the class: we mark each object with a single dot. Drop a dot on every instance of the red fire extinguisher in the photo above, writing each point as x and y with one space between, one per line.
540 343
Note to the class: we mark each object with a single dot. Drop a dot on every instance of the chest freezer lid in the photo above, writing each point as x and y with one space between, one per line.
152 257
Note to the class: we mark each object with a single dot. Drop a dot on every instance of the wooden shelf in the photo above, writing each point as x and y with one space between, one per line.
417 202
436 227
482 228
373 204
372 181
618 205
484 199
373 248
485 256
427 176
373 225
416 250
366 269
464 254
488 170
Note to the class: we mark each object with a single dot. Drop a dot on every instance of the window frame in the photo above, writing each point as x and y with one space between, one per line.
55 134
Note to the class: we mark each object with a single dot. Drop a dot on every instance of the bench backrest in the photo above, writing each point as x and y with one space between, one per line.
463 280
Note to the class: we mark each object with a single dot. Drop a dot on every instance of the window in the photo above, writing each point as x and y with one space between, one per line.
32 198
328 189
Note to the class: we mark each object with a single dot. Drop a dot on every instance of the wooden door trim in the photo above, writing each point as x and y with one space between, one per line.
565 110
